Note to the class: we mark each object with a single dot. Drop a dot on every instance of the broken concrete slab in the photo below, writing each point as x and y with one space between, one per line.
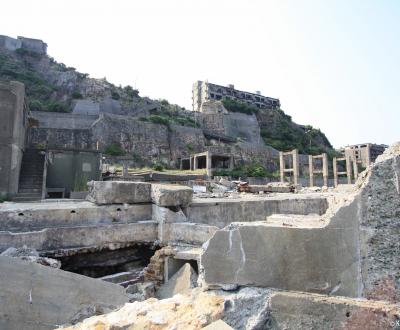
30 255
181 282
171 195
119 192
35 296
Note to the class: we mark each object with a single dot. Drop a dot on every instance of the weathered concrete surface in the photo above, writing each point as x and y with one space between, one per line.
380 227
322 259
188 233
221 212
352 250
182 312
293 310
119 192
30 255
13 123
171 195
38 297
181 282
81 236
17 217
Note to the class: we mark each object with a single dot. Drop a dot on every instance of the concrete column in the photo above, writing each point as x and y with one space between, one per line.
295 166
335 175
125 169
355 167
208 164
311 169
281 166
195 163
231 165
348 169
191 163
367 155
325 173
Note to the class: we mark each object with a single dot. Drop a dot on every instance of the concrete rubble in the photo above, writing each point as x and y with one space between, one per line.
181 282
182 312
30 255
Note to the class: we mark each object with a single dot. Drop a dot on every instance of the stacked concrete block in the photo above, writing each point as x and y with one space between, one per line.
168 195
119 192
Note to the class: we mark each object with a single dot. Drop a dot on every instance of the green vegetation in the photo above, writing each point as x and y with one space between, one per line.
39 92
80 183
115 95
285 136
237 106
250 170
157 119
190 147
77 95
158 167
114 149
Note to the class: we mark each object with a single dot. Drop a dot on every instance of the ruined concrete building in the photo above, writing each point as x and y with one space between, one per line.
204 91
364 153
34 45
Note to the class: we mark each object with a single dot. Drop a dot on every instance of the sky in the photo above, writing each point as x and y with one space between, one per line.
334 64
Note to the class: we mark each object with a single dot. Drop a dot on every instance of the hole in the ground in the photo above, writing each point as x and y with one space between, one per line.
20 214
348 314
122 266
119 209
73 211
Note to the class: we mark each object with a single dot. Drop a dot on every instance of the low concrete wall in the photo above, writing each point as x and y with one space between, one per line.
26 217
222 212
78 237
188 233
33 296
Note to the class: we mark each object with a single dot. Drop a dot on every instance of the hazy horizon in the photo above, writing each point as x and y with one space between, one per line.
333 65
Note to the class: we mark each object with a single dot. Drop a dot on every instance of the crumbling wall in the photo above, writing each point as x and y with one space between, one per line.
380 227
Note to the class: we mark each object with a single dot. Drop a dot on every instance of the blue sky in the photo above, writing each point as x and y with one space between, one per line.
333 64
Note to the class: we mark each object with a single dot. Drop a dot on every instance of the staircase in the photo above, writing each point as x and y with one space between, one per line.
31 176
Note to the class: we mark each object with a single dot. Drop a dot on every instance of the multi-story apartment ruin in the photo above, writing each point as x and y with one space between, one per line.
204 91
365 153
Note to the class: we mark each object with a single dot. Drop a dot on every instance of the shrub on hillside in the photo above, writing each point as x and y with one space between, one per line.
114 149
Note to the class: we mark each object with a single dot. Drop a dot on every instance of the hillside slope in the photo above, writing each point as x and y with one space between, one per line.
54 87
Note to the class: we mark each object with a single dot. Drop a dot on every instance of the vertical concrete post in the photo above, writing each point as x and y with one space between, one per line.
335 174
368 155
325 173
311 170
191 163
348 168
125 169
295 166
355 167
180 164
281 166
208 163
231 163
195 162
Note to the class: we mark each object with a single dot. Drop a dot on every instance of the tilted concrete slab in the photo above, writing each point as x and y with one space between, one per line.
171 195
33 296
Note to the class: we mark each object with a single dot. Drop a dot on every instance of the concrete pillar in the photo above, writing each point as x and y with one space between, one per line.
125 170
355 168
348 169
281 166
367 155
295 153
191 163
209 164
195 163
325 172
335 174
231 165
311 169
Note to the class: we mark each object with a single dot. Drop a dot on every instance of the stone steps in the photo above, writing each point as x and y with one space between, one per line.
124 278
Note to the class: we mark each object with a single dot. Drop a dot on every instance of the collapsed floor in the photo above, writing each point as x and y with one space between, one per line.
306 260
